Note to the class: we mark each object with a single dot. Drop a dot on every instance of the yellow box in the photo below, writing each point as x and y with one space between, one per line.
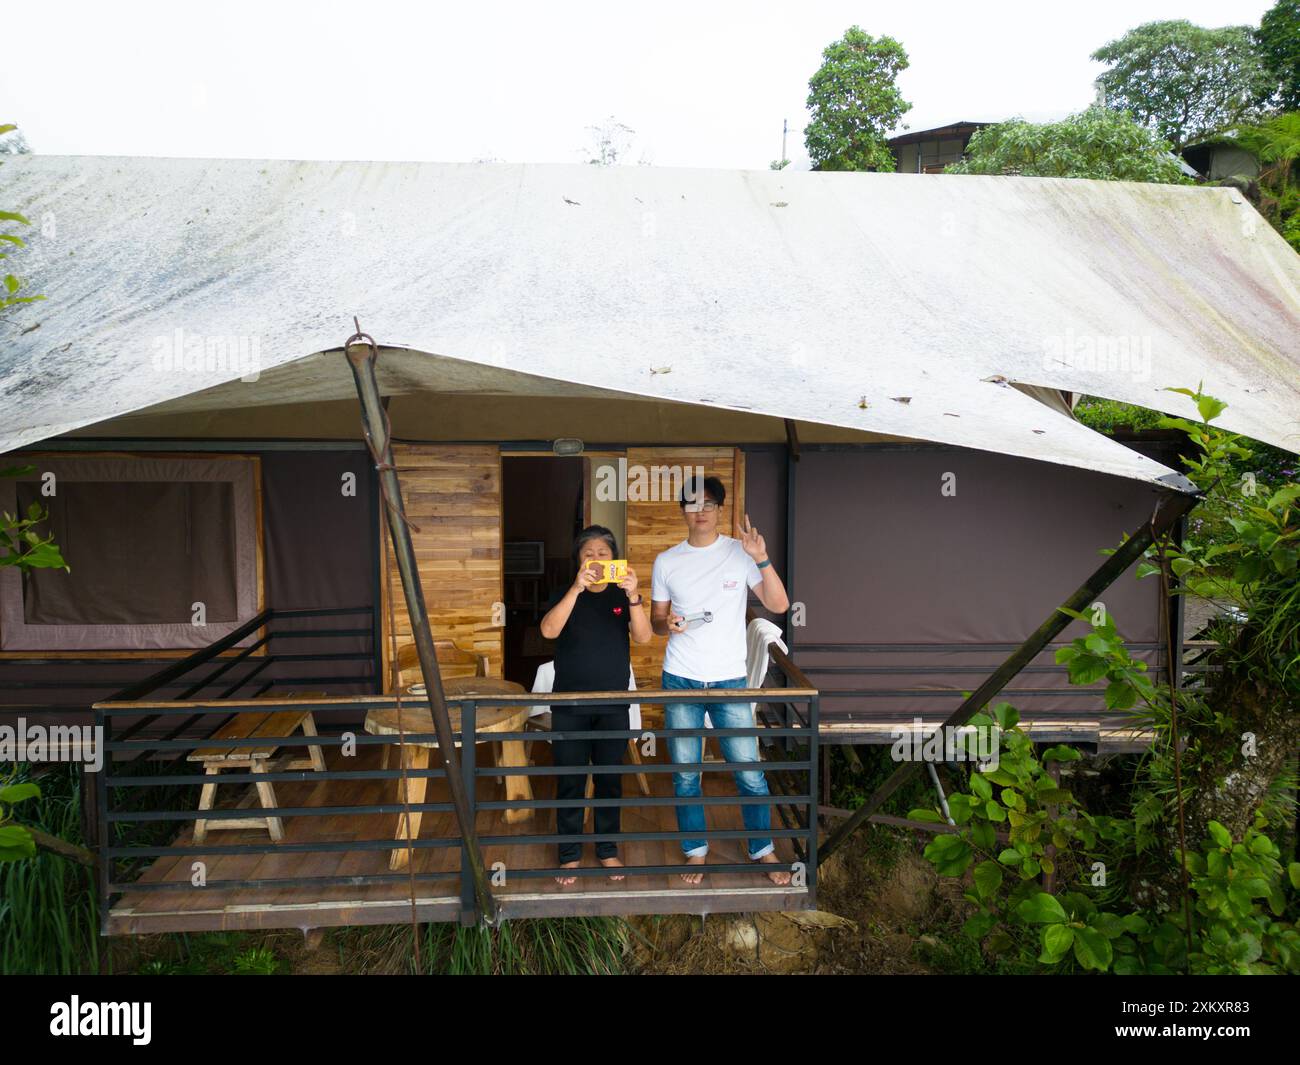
611 570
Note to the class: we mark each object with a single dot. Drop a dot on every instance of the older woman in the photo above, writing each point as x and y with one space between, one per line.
591 623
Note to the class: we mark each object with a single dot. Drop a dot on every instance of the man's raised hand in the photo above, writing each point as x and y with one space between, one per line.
752 541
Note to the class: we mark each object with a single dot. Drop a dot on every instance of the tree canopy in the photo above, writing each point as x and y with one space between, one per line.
1096 143
855 103
1184 81
1278 40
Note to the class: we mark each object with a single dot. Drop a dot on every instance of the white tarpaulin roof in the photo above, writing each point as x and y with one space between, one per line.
895 304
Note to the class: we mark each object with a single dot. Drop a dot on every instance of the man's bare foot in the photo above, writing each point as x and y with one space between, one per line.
613 863
565 881
780 877
694 878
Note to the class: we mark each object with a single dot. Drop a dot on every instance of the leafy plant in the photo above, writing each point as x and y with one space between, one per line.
855 103
1096 143
1278 42
258 961
15 841
9 297
1184 81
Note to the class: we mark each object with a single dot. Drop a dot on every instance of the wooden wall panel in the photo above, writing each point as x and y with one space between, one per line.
655 526
453 493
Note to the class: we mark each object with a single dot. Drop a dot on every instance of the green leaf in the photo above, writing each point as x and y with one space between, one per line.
1006 716
1092 949
1087 669
950 854
1057 940
981 787
1210 407
1061 753
1041 908
18 792
1220 835
15 843
988 878
1120 695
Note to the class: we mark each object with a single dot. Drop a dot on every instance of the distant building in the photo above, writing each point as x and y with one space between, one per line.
928 151
1220 159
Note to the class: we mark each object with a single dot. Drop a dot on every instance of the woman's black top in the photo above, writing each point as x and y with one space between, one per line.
592 650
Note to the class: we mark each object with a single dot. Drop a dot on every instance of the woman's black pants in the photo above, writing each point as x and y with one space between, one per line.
568 820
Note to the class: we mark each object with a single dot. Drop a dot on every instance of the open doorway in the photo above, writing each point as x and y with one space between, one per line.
546 501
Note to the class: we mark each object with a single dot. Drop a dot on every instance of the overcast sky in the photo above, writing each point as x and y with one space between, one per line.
702 84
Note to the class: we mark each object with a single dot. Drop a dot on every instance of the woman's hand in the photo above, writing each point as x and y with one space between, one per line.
628 583
586 578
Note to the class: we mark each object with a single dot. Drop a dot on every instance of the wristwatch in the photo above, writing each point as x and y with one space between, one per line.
637 601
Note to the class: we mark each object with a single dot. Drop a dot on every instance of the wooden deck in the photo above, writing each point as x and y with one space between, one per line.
270 905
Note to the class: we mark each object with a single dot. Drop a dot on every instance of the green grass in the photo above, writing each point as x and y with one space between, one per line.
49 922
562 947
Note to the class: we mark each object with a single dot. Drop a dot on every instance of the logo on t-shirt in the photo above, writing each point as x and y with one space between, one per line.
730 585
618 610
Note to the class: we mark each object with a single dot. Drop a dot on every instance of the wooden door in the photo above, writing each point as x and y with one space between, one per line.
656 525
452 492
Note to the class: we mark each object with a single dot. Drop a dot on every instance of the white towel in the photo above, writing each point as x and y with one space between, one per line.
760 634
545 682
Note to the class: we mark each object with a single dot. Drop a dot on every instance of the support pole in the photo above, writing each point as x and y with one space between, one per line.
1170 508
361 356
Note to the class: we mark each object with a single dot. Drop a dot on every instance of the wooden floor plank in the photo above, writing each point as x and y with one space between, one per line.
326 905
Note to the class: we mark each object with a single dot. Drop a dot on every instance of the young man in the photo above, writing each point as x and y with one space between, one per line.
709 572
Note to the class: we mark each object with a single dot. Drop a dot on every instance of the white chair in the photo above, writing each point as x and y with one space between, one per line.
539 718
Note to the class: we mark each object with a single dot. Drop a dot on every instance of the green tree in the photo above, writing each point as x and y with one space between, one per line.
1278 40
855 103
1276 144
1184 81
1096 143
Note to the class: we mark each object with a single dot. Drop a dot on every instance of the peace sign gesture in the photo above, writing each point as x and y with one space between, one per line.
752 541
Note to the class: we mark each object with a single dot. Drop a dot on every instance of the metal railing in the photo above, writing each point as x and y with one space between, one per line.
135 831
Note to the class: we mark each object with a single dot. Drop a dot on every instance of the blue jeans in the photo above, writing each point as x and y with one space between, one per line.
681 749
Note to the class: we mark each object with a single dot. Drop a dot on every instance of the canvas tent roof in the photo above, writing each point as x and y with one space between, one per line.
895 304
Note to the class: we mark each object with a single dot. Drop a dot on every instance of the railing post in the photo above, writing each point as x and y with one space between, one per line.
103 869
468 764
814 706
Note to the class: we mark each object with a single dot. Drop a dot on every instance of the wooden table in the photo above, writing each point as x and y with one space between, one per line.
417 718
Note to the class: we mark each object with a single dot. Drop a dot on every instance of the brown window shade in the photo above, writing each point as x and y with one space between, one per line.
146 538
145 552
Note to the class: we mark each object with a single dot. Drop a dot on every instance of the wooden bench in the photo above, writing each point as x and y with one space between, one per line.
271 725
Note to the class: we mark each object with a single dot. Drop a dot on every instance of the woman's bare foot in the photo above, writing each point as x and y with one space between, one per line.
565 881
613 863
780 877
694 878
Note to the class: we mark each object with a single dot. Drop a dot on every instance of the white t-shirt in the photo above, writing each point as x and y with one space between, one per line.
716 578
